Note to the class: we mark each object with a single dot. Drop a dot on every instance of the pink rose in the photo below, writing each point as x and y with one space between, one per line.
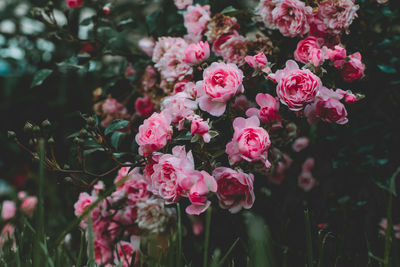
291 17
306 180
143 106
74 3
269 109
135 186
218 43
102 250
200 127
309 50
8 210
154 133
112 110
125 251
84 201
147 45
200 184
353 69
197 53
178 106
235 189
241 103
337 54
264 10
250 142
337 15
182 4
278 174
331 110
258 62
233 48
169 171
296 87
28 205
220 83
7 233
149 77
300 143
165 44
130 71
348 96
195 20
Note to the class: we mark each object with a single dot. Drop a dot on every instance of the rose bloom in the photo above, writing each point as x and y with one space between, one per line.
143 106
306 181
8 210
178 106
278 174
84 201
300 143
200 127
337 15
197 53
353 69
296 87
250 142
153 216
269 109
348 96
147 46
291 17
264 10
102 250
220 25
125 252
182 4
110 110
195 20
28 205
149 77
331 110
258 62
169 171
233 48
7 233
74 3
130 71
235 189
134 188
220 83
309 50
337 54
164 44
154 133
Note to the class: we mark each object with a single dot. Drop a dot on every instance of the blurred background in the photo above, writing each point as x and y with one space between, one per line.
354 162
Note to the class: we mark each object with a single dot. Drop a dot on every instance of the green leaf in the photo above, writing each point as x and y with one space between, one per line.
40 76
152 20
86 21
194 139
92 150
117 138
184 137
213 133
228 10
387 69
116 125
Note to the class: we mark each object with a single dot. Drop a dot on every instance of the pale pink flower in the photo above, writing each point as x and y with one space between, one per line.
154 133
134 187
149 77
200 127
250 142
306 181
220 83
147 45
269 109
153 216
171 64
337 15
112 110
300 143
235 189
195 20
7 233
28 205
178 106
84 201
308 165
8 210
264 10
22 195
182 4
296 87
218 44
181 86
291 17
169 171
197 53
164 44
143 106
258 62
308 50
197 227
102 250
233 48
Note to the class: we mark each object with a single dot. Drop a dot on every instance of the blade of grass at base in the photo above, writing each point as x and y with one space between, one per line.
91 262
37 255
207 237
308 238
389 226
81 249
179 249
221 262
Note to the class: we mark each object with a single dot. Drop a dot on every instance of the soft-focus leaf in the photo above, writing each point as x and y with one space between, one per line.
116 125
117 138
387 69
40 76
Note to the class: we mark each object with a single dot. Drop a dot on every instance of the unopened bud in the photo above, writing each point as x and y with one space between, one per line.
12 135
68 179
91 121
46 124
28 127
51 141
36 130
83 133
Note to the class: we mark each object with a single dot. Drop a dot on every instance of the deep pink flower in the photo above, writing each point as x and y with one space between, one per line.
125 251
28 205
220 83
353 69
102 250
269 109
178 106
308 50
74 3
235 189
258 62
197 53
200 127
250 142
143 106
296 87
154 133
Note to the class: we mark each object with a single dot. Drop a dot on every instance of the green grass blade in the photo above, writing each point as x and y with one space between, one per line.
309 245
81 249
221 262
91 262
179 248
207 237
